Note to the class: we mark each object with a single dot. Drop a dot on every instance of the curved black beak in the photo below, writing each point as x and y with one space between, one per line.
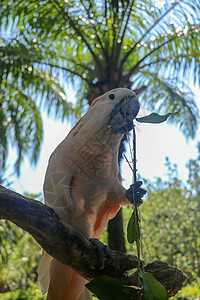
121 117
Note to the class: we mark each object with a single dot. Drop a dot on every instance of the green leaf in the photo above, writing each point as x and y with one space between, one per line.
155 118
152 288
106 288
133 229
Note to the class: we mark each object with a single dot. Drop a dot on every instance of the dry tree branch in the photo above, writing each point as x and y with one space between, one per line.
54 237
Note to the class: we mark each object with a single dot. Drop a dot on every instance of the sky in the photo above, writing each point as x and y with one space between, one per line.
154 144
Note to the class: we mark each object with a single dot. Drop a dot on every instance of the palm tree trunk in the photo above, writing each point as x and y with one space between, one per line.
116 239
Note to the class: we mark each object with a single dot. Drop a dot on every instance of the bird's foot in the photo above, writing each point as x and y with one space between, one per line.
102 251
135 193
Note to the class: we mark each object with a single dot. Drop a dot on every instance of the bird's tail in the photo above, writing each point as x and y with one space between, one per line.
61 281
44 271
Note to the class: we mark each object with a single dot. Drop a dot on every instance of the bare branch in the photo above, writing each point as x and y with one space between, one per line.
141 89
45 226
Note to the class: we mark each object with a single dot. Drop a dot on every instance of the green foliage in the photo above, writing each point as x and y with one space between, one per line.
161 91
194 169
155 118
133 229
22 84
152 289
190 292
171 222
32 292
19 257
25 84
106 288
20 124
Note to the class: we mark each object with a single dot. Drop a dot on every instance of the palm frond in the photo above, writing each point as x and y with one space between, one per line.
27 71
178 50
155 17
22 125
3 139
167 95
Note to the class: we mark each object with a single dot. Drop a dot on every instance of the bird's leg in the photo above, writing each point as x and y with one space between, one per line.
102 251
135 193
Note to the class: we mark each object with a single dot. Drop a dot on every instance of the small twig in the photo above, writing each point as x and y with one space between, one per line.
134 156
128 162
137 220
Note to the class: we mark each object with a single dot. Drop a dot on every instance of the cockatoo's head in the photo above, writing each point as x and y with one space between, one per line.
120 107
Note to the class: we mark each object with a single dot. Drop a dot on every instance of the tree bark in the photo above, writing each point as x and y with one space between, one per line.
116 239
54 237
115 227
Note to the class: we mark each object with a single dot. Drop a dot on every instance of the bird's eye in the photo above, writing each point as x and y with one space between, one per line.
111 96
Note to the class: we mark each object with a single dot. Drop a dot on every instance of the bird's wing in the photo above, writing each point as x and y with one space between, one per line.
57 193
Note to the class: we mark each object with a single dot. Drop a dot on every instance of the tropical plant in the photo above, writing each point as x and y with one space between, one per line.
108 44
24 87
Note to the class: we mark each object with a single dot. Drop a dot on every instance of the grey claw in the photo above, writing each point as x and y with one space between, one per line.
102 251
135 193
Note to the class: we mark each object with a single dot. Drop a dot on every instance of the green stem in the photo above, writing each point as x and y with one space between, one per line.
134 156
137 220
